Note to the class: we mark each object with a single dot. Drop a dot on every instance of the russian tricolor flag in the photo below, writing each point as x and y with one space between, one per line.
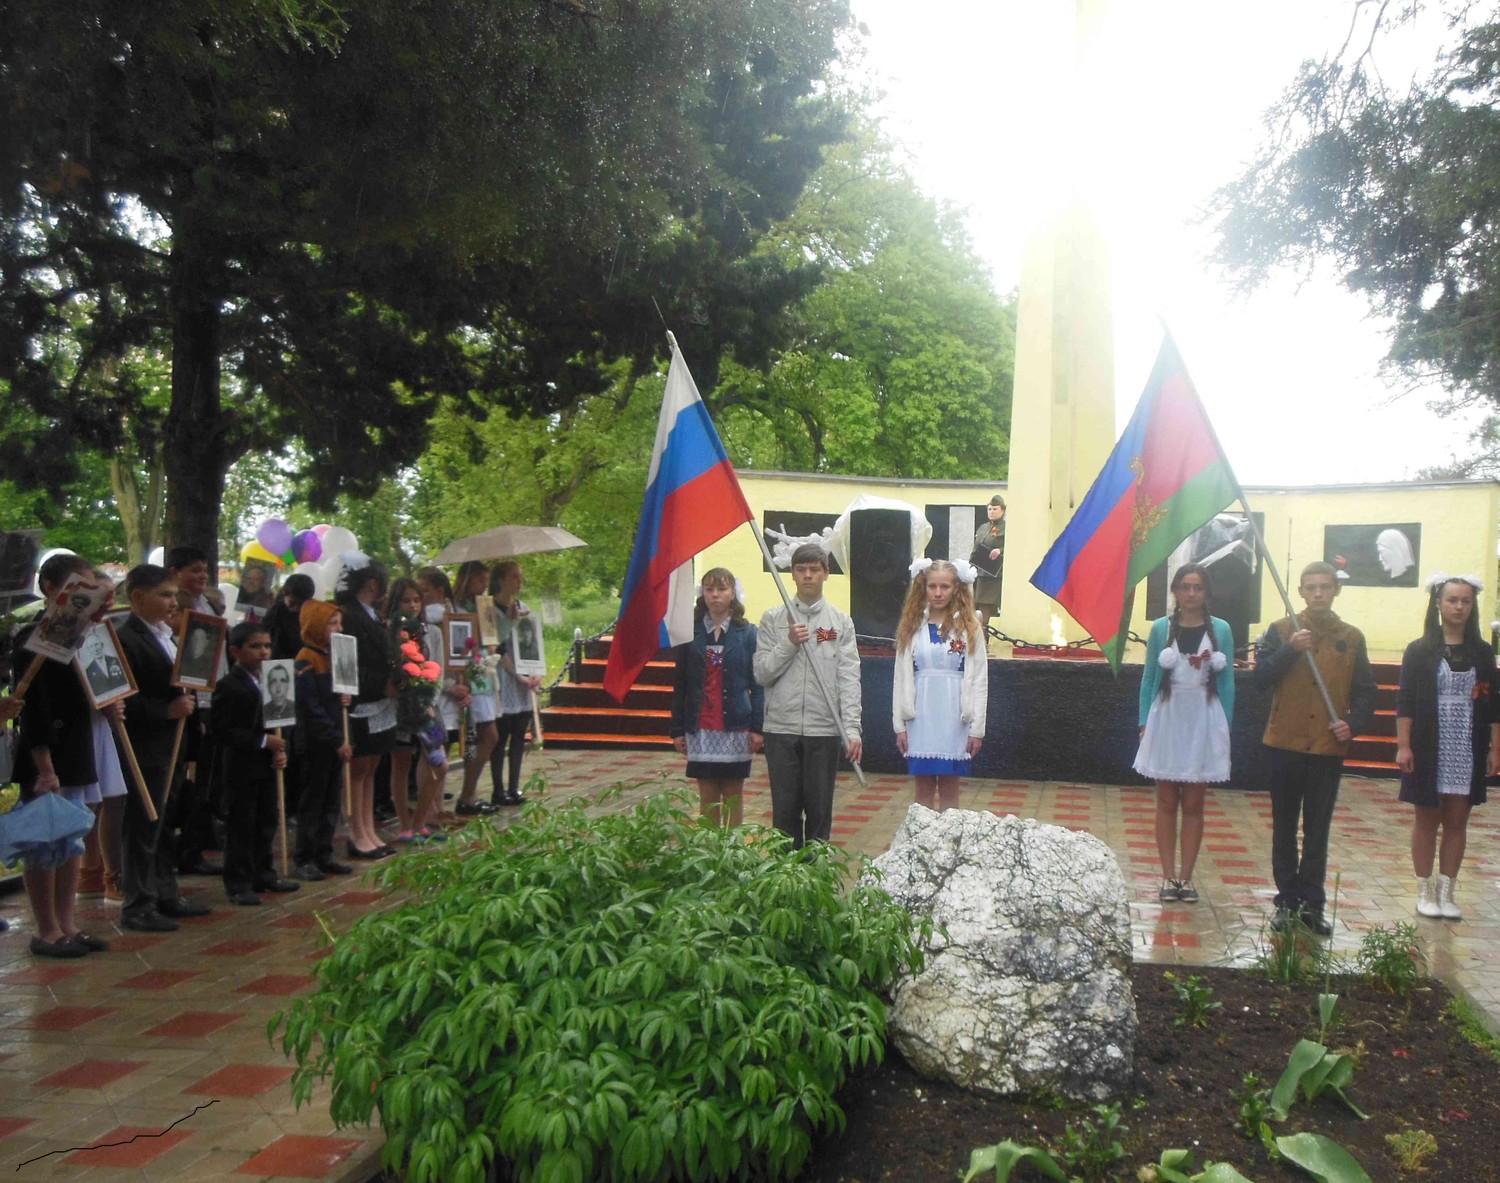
692 501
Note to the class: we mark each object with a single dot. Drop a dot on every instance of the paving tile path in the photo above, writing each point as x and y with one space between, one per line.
98 1052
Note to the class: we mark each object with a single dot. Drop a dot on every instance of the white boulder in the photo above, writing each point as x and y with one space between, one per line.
1025 987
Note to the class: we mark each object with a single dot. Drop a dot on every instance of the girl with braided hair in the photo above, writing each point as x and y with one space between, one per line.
1187 702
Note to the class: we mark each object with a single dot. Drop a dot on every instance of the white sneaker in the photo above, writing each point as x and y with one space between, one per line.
1427 904
1450 910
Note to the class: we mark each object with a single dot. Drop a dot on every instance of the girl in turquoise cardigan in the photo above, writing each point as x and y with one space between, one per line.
1187 702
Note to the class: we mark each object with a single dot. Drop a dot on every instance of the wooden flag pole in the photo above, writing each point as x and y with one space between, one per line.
136 776
348 774
536 720
172 761
286 868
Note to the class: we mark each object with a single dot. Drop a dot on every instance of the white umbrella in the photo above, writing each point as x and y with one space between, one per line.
506 542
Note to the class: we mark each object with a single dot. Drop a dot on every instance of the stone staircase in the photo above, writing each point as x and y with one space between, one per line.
582 716
1374 753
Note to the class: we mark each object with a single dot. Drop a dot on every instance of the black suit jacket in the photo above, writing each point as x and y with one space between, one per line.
237 725
57 717
146 721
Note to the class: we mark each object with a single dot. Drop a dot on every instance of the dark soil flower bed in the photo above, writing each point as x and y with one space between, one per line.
1417 1073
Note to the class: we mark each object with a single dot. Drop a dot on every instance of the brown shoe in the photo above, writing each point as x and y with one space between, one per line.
112 892
90 882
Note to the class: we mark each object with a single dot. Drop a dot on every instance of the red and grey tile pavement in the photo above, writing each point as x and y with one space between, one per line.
102 1055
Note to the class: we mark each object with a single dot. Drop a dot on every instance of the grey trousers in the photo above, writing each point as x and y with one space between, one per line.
802 769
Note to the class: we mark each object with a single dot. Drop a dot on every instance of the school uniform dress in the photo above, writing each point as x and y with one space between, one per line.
372 719
940 693
716 703
1186 740
58 717
1449 695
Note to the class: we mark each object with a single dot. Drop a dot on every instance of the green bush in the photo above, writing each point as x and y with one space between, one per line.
627 996
1391 959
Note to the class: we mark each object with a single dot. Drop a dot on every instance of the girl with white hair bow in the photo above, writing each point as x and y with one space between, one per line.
941 684
1447 735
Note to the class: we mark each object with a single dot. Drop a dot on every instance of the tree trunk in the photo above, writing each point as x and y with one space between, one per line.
128 505
194 453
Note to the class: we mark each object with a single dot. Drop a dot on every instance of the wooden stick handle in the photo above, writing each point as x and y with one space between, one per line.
136 776
172 763
286 868
536 720
31 672
348 775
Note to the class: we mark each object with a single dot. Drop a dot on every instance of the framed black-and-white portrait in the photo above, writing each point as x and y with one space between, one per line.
526 642
344 652
487 614
278 693
200 651
1386 554
106 674
463 639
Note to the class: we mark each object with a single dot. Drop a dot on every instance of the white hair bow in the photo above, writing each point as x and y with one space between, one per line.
1437 579
967 572
350 561
918 566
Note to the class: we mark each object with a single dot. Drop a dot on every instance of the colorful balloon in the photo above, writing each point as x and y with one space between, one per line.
337 540
275 535
254 551
307 546
321 528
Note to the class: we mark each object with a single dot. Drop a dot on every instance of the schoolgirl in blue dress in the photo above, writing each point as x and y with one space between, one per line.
941 685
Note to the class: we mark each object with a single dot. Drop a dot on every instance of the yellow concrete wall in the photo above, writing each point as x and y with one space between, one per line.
1460 523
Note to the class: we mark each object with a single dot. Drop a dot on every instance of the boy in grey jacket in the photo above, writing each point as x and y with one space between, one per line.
801 731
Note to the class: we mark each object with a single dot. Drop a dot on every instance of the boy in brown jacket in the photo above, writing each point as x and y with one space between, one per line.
1303 756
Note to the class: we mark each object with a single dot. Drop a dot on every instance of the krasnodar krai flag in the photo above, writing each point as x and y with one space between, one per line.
692 500
1166 477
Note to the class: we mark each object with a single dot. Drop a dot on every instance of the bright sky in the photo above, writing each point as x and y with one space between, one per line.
1175 106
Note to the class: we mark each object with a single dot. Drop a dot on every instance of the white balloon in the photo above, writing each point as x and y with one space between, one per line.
36 580
158 557
336 540
328 576
231 596
314 571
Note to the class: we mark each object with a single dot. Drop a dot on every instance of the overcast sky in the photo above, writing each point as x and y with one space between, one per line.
1177 100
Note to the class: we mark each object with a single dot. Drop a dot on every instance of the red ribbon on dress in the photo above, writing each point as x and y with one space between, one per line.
956 645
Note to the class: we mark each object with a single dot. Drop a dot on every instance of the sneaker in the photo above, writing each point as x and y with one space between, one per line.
1168 891
1446 904
309 873
1427 902
1186 892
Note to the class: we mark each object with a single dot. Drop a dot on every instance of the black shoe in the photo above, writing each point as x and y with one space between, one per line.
151 921
1281 921
180 909
90 944
245 899
308 873
62 947
355 852
473 809
329 867
384 851
1319 924
201 866
279 886
513 799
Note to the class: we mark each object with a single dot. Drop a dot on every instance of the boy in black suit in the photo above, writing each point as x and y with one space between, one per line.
237 725
149 879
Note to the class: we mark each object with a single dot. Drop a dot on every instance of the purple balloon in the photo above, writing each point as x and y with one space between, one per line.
307 546
275 535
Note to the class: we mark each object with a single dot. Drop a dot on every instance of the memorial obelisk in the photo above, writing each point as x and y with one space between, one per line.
1063 408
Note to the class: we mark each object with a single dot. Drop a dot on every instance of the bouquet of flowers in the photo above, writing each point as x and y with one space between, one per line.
423 675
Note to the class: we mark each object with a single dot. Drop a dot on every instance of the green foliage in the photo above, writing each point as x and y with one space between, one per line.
1394 187
1391 959
1005 1157
1175 1165
1471 1027
1255 1113
629 995
1294 954
1325 1160
1412 1148
1092 1148
1197 999
1315 1070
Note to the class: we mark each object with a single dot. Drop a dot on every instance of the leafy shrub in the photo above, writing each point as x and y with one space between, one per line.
1412 1148
1255 1114
1391 959
628 996
1092 1148
1197 998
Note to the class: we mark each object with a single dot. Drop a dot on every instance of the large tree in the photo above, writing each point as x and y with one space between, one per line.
1398 189
335 213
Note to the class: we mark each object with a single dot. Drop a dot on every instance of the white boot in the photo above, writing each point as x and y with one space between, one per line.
1450 910
1427 904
